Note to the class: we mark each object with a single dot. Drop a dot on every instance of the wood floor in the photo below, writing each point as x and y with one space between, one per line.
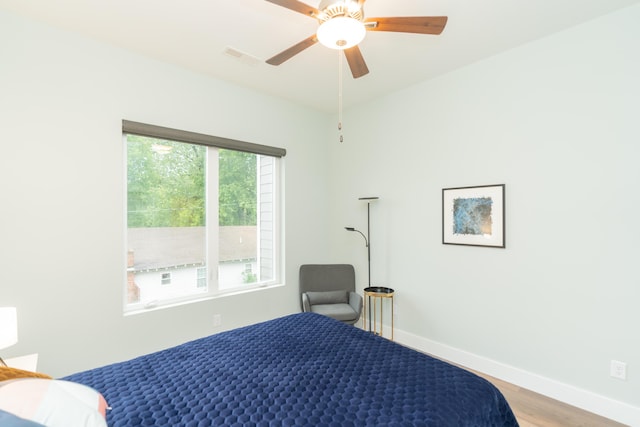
535 410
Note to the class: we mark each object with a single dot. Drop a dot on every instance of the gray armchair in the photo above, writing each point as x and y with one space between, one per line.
330 290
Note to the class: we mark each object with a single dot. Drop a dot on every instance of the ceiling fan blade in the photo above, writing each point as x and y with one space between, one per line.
356 62
408 24
292 51
297 6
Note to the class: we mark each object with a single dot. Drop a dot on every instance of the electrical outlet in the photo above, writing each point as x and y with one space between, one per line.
618 370
217 320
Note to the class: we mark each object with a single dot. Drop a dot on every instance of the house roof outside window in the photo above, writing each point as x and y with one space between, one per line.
156 248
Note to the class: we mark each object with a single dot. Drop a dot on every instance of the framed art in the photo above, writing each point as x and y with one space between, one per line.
473 216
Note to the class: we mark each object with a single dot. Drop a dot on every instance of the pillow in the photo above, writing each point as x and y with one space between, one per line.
328 297
10 420
53 403
7 373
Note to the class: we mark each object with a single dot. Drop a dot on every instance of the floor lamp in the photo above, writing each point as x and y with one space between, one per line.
367 238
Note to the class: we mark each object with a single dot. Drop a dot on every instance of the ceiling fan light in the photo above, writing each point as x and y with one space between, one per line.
341 33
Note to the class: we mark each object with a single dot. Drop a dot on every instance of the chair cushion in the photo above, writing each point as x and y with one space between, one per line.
343 312
328 297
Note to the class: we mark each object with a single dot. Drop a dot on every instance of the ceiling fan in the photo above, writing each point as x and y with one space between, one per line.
343 26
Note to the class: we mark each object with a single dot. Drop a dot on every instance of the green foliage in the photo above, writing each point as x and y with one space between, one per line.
249 277
167 188
237 197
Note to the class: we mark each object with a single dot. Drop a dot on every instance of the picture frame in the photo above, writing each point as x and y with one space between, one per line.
474 216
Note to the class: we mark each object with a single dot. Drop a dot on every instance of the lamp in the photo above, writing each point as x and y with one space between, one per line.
8 328
367 238
341 32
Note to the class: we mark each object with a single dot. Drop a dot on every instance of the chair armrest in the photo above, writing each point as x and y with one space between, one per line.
306 306
355 301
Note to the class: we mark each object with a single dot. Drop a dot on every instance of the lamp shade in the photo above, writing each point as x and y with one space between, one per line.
341 33
8 327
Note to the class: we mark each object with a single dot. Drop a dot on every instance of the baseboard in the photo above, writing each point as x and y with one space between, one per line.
583 399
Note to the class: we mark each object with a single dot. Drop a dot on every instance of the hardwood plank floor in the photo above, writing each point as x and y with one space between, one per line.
535 410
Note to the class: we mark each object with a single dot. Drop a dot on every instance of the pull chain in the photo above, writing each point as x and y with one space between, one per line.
340 95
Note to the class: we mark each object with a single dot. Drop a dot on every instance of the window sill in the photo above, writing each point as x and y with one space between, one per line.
231 293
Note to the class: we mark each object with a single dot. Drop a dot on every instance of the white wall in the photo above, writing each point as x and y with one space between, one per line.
62 100
557 122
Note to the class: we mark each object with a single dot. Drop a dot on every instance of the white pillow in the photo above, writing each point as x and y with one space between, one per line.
53 403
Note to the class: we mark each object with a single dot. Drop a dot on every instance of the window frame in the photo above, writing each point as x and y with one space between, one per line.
153 131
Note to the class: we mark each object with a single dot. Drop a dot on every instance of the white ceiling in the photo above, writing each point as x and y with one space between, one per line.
195 34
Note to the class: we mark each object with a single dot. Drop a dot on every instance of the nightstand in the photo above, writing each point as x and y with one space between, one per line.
26 363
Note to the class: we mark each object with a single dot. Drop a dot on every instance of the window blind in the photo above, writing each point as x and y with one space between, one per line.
143 129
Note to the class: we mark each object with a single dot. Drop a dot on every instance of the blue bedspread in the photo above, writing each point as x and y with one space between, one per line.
299 370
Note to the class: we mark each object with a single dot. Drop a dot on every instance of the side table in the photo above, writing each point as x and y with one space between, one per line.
26 363
378 294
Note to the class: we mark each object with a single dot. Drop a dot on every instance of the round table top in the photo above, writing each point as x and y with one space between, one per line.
378 290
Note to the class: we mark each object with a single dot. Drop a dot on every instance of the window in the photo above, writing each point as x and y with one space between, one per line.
165 279
202 216
202 277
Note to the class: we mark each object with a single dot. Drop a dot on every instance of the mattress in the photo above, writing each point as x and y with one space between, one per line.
299 370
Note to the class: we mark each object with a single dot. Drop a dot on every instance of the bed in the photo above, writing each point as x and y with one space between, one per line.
302 369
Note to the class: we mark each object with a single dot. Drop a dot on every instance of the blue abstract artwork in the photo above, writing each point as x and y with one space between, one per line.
472 216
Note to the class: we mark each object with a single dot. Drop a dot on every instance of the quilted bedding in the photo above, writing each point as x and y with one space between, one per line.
298 370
